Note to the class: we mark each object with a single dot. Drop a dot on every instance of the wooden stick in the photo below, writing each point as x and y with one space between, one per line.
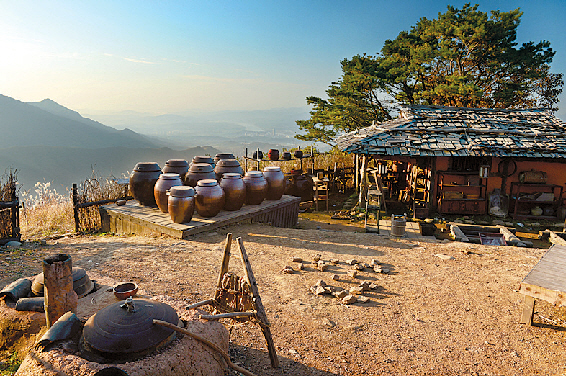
227 315
225 262
195 305
206 342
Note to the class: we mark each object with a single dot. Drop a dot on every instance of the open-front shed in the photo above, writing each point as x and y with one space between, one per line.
467 160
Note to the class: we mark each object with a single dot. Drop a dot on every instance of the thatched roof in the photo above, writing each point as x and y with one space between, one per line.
455 131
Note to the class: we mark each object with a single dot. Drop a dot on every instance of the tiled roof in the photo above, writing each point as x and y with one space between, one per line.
455 131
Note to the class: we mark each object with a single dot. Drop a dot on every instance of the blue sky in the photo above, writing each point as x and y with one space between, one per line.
171 56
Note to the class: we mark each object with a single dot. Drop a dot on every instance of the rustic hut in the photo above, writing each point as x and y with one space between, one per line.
467 160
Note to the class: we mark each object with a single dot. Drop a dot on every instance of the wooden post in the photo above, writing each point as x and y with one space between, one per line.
362 181
261 315
15 213
224 267
356 172
528 310
75 208
246 161
60 297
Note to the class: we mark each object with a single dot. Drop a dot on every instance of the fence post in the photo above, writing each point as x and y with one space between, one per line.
15 213
75 209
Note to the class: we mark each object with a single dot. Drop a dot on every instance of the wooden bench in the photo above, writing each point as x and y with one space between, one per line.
547 281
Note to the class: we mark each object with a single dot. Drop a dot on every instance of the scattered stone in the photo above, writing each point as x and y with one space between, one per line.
358 267
301 266
366 266
288 270
365 285
466 251
296 259
385 271
316 258
353 273
322 265
328 322
373 286
363 299
340 294
377 269
356 290
375 262
329 289
13 244
349 299
352 262
334 261
320 282
319 290
444 257
335 277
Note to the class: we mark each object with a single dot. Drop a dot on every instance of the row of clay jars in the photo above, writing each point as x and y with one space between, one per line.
176 166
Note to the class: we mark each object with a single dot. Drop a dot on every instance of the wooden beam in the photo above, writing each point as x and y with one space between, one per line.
528 310
224 267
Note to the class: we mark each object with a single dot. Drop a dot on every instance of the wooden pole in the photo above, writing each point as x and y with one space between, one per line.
60 297
75 208
357 172
224 267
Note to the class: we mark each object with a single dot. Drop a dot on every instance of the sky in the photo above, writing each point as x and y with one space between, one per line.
171 56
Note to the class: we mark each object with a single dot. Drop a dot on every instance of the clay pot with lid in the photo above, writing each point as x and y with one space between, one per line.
176 166
273 154
300 185
142 181
256 187
227 166
203 159
298 154
257 154
234 191
220 156
276 182
163 184
181 204
209 198
199 171
286 156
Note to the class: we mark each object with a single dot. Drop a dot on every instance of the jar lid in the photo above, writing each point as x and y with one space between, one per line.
272 168
202 159
177 163
207 183
201 167
231 175
169 176
254 174
147 166
224 156
182 191
228 163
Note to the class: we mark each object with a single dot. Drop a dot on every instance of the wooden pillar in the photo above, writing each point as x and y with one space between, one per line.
356 172
432 190
75 208
362 181
60 297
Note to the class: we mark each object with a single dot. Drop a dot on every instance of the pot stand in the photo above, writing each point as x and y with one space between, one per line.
238 298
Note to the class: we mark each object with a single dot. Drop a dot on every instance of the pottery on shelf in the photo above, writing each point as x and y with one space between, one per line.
234 191
142 180
276 182
164 184
209 198
256 187
181 204
199 171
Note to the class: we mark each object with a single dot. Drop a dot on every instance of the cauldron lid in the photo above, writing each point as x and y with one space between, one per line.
116 329
147 166
177 163
182 191
272 168
169 176
254 174
201 167
231 175
228 163
224 156
207 183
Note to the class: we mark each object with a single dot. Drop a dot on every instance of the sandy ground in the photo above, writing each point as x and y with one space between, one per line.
429 315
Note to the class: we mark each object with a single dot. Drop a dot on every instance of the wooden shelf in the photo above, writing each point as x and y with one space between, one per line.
519 204
467 183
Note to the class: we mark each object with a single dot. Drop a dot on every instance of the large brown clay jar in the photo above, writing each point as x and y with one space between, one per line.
209 199
181 204
176 166
199 171
256 187
220 156
276 182
142 181
227 165
163 184
300 185
234 191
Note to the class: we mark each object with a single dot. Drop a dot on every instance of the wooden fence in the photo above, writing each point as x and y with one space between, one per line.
9 214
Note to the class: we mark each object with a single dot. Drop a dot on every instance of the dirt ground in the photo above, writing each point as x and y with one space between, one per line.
429 316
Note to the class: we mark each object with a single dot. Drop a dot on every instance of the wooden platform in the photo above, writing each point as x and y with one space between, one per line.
547 281
134 218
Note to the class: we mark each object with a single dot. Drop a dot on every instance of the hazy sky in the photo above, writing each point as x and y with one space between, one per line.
167 56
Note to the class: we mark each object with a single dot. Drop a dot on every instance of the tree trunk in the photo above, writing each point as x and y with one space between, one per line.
60 297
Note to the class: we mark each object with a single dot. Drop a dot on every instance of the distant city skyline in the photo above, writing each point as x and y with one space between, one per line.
166 57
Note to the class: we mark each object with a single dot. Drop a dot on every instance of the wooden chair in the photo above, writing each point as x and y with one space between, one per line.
320 191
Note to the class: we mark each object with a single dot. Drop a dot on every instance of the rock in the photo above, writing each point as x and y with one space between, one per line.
385 271
328 322
353 273
444 257
340 294
13 244
288 270
320 282
335 277
334 261
296 259
329 289
322 266
359 267
363 299
316 258
366 266
349 299
352 262
301 266
356 290
365 285
319 290
377 269
373 286
375 262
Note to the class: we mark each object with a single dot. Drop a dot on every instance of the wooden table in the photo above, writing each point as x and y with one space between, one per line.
547 281
134 218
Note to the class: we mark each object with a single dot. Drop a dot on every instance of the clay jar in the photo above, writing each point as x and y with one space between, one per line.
286 156
176 166
298 154
234 191
210 198
273 154
203 159
300 185
256 187
181 204
142 181
163 184
276 182
227 165
220 156
199 171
